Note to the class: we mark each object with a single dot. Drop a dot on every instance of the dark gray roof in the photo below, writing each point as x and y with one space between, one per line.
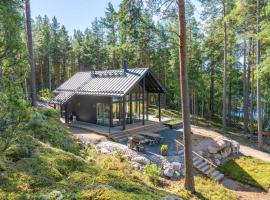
62 97
104 83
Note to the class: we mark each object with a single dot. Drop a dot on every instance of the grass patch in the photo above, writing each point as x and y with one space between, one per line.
248 170
207 189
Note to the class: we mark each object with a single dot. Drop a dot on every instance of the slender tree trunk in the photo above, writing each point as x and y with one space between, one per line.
49 69
212 87
189 179
259 109
31 53
245 90
64 69
250 72
224 110
230 102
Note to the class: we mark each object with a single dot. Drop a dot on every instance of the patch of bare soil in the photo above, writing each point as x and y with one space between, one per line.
87 136
245 192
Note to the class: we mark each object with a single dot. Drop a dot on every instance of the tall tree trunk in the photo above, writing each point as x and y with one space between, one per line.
189 179
49 69
259 109
245 90
250 82
212 87
31 53
230 102
224 110
64 69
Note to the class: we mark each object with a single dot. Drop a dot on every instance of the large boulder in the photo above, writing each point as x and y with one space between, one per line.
213 149
171 197
221 143
141 160
176 166
169 172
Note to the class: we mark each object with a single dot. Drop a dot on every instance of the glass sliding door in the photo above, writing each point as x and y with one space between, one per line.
103 114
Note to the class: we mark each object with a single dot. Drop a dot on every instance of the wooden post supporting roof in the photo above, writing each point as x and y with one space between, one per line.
111 120
130 108
147 105
66 114
124 113
159 111
143 97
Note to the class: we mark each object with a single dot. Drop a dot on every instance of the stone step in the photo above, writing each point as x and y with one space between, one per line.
197 162
219 177
205 168
181 153
214 173
202 164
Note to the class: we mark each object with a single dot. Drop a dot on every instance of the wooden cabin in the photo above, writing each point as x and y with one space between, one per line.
108 98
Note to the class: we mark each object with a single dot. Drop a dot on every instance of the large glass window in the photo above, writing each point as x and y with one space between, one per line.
116 114
103 114
137 107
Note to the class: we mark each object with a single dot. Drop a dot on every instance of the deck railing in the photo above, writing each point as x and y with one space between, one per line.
210 162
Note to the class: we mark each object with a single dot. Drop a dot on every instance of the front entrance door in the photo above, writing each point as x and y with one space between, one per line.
103 114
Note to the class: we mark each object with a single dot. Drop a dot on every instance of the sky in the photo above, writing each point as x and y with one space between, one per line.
76 14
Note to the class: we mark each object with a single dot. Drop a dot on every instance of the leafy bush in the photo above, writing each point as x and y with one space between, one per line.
49 113
45 94
15 114
153 172
23 148
119 155
164 148
88 152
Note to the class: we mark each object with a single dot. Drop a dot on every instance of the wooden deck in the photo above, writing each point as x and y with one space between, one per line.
116 133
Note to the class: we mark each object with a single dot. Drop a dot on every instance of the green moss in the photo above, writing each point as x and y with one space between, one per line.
248 170
54 133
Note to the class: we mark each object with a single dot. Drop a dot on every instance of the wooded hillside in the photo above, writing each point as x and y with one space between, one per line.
131 33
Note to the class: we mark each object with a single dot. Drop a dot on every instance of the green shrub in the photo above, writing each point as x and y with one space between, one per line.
45 94
88 152
49 113
153 172
23 148
119 155
164 148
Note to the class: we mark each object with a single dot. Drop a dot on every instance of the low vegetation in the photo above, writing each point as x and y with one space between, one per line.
248 170
153 172
206 189
40 159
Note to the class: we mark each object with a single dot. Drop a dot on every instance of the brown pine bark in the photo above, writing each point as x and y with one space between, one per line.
212 88
245 90
189 180
252 86
31 53
259 107
224 110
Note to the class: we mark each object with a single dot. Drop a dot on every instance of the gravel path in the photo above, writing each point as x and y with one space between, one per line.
87 136
248 151
245 192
